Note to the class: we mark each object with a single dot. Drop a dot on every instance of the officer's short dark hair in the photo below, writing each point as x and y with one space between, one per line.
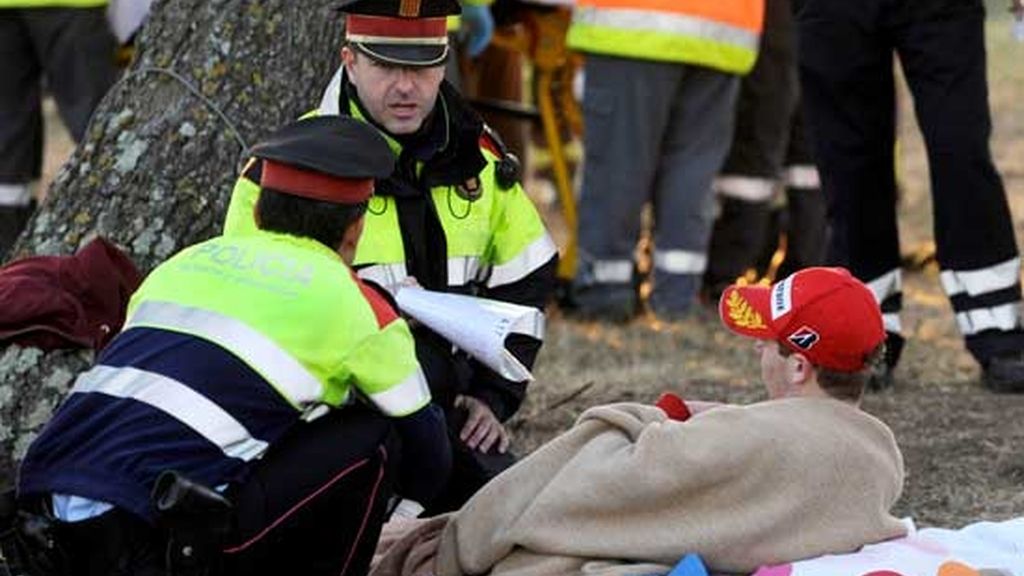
325 222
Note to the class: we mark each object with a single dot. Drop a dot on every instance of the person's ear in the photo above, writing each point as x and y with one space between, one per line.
800 369
348 56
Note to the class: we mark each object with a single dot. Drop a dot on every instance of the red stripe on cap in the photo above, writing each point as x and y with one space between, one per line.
315 185
403 28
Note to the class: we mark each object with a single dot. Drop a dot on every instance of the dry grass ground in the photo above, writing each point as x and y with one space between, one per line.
964 446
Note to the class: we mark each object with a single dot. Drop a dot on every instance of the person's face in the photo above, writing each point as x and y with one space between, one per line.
399 98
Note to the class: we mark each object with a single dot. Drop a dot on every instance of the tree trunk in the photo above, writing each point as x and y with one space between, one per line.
156 167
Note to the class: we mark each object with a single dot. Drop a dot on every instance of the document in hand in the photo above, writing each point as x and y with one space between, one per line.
477 325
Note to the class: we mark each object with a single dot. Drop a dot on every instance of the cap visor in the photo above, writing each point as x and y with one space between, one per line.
406 54
745 310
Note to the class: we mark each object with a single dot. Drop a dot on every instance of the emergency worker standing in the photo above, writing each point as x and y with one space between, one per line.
261 367
769 150
68 42
846 70
452 215
661 80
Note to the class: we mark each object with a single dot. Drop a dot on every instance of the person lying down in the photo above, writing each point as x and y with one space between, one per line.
632 488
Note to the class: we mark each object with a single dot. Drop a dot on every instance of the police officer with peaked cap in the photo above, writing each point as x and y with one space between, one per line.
452 214
258 377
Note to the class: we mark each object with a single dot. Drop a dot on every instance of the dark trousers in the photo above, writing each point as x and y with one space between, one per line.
846 67
74 50
314 505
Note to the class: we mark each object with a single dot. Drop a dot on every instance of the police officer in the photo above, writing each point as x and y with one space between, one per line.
848 84
452 214
261 367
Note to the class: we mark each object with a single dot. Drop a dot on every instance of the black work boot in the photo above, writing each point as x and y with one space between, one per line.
1004 373
893 349
12 222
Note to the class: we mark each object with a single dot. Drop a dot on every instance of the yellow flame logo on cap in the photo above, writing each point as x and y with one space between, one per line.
743 314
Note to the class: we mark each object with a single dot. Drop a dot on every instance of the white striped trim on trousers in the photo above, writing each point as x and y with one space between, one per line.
746 188
983 280
680 261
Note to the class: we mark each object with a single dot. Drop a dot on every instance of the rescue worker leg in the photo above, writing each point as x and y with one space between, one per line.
21 124
316 501
694 147
848 89
626 106
76 48
943 54
745 187
806 221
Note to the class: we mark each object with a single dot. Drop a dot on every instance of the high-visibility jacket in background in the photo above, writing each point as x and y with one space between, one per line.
718 34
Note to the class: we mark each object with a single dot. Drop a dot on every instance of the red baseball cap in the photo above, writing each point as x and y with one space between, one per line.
823 313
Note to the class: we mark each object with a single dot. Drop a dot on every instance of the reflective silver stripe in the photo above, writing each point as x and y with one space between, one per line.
745 188
886 285
803 177
891 322
406 398
463 269
14 194
178 401
529 259
332 95
982 280
1004 317
613 271
281 369
680 261
667 23
392 40
388 276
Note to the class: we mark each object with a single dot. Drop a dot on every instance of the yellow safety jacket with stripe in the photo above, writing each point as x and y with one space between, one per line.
294 312
494 245
719 34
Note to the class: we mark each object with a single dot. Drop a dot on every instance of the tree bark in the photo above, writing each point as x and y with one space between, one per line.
155 170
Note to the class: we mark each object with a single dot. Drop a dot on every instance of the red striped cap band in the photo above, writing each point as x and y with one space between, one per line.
315 185
388 30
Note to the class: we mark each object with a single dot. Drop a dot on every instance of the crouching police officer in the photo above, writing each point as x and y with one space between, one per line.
255 404
452 215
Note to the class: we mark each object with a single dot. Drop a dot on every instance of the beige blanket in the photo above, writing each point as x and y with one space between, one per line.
741 486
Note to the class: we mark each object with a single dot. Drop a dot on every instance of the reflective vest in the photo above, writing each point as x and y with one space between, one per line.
227 346
719 34
52 3
496 240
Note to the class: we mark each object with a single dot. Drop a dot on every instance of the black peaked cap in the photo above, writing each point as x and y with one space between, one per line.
338 146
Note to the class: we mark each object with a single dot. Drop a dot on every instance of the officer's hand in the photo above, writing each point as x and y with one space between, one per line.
477 28
482 429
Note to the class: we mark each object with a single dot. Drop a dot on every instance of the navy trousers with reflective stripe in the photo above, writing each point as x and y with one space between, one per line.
846 69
